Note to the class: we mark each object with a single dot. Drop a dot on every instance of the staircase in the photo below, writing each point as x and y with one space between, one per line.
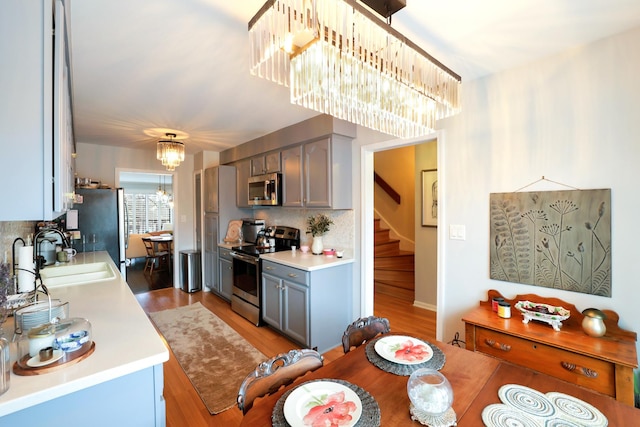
393 269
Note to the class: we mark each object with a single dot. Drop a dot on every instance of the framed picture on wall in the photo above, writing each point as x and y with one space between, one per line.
430 198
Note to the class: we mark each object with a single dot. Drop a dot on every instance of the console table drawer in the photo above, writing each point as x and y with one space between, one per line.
575 368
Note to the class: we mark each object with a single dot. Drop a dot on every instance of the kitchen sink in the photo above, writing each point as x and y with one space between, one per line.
76 274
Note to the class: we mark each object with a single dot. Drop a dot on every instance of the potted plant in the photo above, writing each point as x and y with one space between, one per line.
316 226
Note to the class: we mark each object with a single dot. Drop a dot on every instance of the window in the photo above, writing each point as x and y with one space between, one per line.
147 212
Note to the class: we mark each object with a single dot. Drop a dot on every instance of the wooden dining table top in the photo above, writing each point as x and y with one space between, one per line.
474 377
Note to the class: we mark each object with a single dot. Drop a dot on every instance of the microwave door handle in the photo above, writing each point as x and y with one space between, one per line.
266 190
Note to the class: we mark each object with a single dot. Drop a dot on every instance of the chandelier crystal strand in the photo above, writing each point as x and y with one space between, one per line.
346 65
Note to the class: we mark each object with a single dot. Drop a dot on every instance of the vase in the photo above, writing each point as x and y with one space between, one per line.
316 246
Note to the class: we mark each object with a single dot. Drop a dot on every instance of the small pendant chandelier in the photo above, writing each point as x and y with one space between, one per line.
170 152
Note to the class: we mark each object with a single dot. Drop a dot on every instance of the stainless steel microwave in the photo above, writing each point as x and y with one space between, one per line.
265 190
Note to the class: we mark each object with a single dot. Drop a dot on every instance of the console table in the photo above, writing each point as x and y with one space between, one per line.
602 364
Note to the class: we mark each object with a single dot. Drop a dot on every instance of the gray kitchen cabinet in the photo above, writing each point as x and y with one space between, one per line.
210 259
38 118
220 208
313 175
265 163
243 172
312 308
225 269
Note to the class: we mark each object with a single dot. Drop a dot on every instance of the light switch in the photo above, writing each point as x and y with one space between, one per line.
457 232
183 218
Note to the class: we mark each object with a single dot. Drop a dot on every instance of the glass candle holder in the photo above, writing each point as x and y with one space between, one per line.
430 392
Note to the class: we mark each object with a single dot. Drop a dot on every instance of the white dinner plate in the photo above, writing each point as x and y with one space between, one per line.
35 361
307 396
404 350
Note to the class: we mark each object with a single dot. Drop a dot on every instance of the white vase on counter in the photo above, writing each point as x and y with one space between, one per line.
316 246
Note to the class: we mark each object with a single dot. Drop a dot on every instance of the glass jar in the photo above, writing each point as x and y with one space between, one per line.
430 391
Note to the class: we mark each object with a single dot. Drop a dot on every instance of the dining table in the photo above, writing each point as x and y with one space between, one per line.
161 242
475 378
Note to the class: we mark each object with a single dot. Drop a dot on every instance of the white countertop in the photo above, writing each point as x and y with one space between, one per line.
126 341
308 261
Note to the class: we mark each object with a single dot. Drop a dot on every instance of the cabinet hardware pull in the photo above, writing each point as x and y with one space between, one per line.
293 275
497 345
268 268
572 367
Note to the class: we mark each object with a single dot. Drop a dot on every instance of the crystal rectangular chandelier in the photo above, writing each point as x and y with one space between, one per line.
338 58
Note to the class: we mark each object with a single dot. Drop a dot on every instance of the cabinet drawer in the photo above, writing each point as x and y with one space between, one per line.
284 272
225 253
598 375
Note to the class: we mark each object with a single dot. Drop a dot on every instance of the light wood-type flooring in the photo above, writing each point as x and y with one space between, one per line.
184 406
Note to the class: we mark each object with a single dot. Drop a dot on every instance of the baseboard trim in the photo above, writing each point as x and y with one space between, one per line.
426 306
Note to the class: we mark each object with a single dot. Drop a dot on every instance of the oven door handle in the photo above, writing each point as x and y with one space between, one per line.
245 258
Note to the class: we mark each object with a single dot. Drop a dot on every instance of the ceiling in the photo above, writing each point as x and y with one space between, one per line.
142 68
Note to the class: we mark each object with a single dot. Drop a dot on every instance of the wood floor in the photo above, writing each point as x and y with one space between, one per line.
184 406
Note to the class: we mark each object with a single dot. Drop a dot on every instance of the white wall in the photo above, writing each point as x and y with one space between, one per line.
99 163
573 118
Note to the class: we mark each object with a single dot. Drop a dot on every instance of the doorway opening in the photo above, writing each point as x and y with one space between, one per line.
149 212
434 293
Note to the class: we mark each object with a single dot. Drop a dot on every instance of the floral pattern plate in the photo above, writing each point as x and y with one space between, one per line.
321 403
404 350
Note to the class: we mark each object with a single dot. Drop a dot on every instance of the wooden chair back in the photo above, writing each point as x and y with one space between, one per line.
276 372
149 247
363 330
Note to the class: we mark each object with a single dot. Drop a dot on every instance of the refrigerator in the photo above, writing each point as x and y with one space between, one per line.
102 225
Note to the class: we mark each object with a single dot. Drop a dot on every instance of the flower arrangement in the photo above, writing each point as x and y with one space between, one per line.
318 225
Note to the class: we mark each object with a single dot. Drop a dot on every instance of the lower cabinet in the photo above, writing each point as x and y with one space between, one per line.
312 308
225 269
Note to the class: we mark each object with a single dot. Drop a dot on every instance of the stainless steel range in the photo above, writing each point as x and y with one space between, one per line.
247 268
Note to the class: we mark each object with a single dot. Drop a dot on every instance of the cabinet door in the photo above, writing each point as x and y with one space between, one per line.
272 162
271 300
257 166
243 172
292 177
317 174
210 259
296 312
211 190
226 277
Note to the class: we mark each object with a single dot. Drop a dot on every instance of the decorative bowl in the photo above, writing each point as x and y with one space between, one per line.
543 312
304 249
329 252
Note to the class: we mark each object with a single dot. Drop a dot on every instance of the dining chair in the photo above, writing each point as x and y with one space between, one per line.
363 330
276 372
153 257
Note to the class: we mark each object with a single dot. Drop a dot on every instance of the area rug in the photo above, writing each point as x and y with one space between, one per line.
214 356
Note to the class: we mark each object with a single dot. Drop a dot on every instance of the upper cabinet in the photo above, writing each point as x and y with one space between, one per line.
266 163
36 117
243 172
211 194
314 173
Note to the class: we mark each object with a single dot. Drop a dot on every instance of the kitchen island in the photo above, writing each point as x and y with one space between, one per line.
121 383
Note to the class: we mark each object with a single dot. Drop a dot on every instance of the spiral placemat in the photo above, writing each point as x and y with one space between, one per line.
500 415
524 407
436 362
370 410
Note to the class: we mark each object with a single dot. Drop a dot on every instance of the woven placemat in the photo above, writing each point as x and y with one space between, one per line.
436 362
370 410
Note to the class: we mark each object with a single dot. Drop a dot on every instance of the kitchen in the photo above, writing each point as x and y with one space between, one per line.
484 148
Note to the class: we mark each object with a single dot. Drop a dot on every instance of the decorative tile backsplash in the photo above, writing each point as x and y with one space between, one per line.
340 235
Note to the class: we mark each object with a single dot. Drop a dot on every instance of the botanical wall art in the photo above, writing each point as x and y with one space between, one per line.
553 239
430 198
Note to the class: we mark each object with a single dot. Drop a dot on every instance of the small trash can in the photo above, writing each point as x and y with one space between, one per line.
191 271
